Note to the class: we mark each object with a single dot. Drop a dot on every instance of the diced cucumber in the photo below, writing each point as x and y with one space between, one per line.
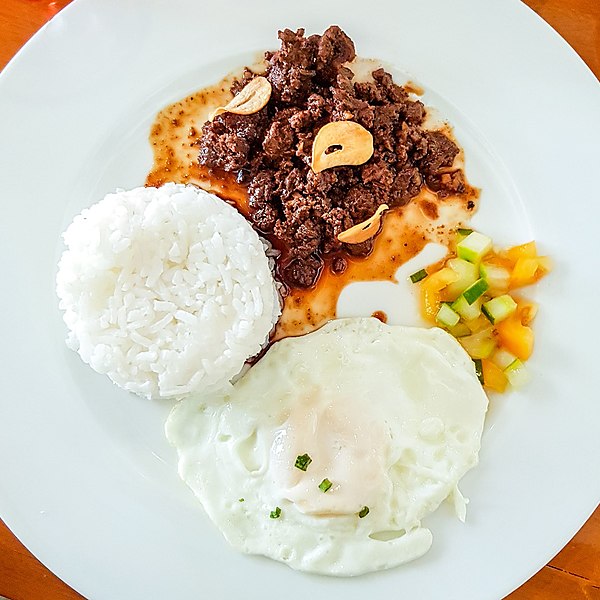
474 247
497 277
475 290
503 358
459 330
479 345
479 370
418 276
446 316
467 311
467 275
517 374
499 308
464 231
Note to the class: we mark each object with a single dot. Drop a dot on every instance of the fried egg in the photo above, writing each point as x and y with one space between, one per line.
329 452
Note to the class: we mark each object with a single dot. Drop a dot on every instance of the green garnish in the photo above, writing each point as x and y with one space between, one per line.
475 291
464 231
418 276
478 370
364 511
302 462
275 514
325 485
241 500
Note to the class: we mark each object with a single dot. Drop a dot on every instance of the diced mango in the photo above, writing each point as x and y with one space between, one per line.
499 260
526 310
528 250
515 337
476 325
545 263
431 291
527 271
493 376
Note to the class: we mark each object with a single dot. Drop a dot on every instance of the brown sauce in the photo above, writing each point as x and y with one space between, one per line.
413 88
380 315
174 137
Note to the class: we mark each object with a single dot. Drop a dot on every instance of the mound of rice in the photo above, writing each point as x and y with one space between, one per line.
168 291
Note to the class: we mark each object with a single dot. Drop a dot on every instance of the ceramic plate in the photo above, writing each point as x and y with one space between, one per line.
87 480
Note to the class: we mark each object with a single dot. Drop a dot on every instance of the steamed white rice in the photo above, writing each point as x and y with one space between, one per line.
168 291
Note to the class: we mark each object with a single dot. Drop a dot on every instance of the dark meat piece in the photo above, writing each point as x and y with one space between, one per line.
316 107
302 238
227 142
270 152
321 183
338 265
336 220
441 151
279 139
414 112
265 218
261 189
446 184
240 83
370 92
346 106
291 69
379 175
407 185
362 249
361 203
334 49
393 92
303 272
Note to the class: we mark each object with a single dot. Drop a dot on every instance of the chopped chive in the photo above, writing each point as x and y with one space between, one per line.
241 500
325 485
464 231
418 276
302 462
275 514
364 511
478 370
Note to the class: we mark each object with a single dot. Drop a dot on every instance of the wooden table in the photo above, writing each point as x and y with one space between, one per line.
572 575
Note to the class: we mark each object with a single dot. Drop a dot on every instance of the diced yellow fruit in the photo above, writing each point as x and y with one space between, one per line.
499 260
528 250
526 271
515 337
526 310
493 376
476 325
545 263
431 288
440 279
523 272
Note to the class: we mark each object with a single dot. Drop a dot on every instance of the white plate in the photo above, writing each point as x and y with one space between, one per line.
87 481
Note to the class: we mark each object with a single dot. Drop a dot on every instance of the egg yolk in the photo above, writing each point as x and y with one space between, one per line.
346 448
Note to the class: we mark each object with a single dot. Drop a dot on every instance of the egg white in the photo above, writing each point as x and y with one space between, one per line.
391 415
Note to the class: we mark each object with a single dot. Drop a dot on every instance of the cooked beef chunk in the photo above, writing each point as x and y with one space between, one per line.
270 151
